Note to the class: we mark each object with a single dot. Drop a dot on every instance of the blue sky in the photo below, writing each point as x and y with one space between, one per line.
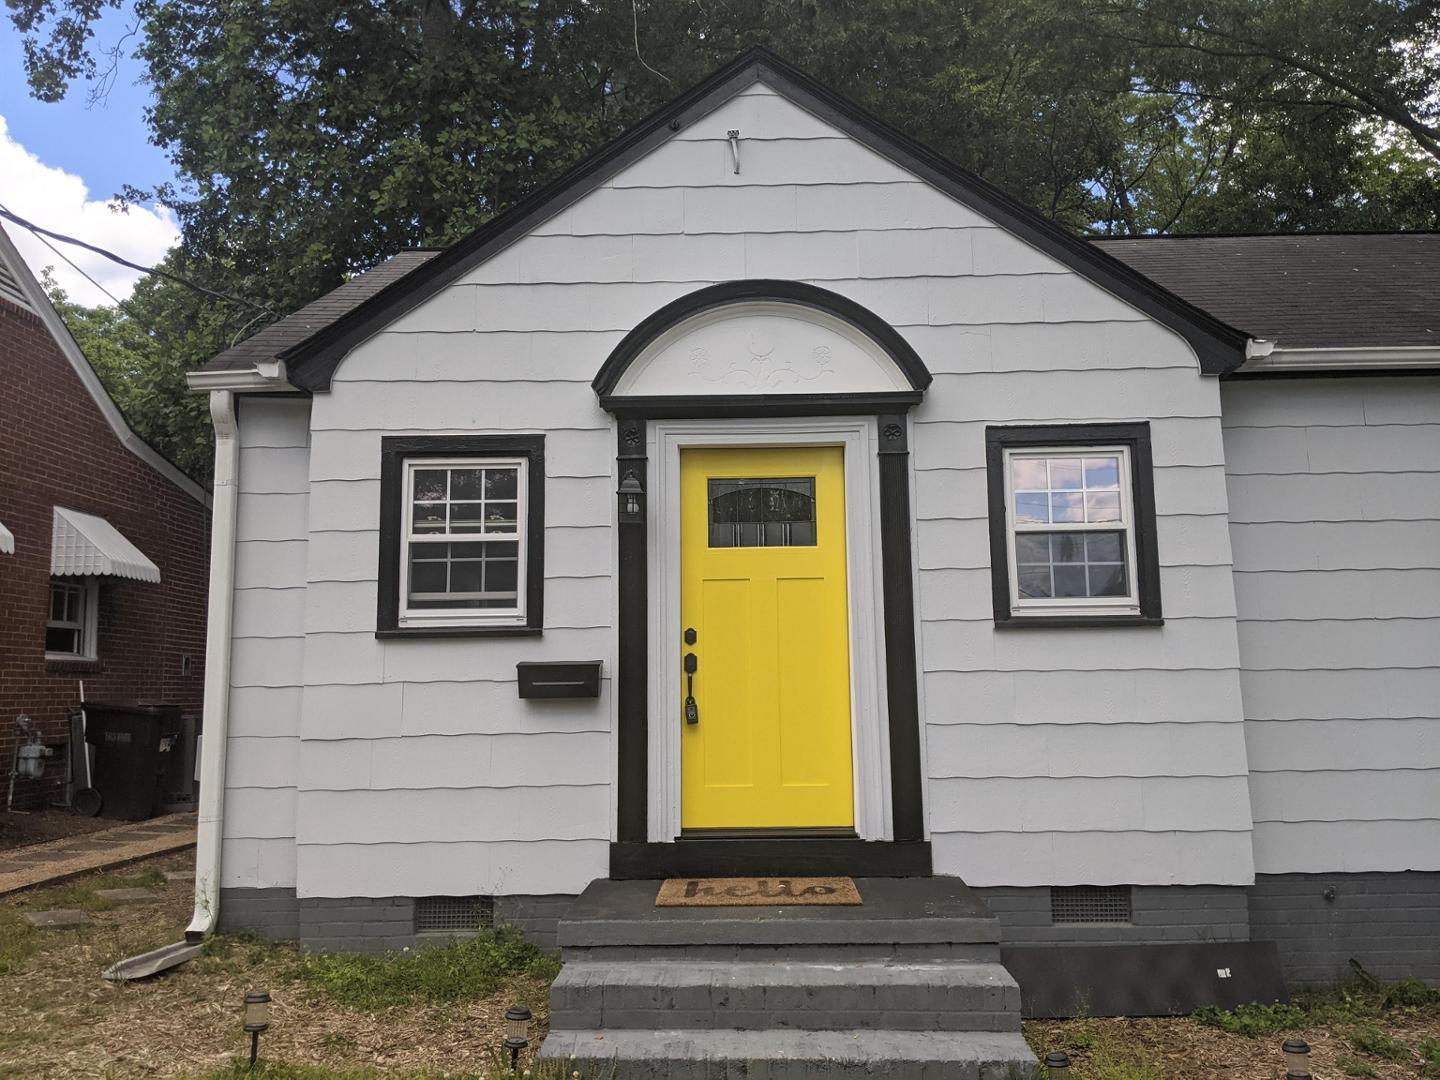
60 163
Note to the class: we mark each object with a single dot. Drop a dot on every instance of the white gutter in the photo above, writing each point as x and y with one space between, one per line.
266 376
1262 355
217 669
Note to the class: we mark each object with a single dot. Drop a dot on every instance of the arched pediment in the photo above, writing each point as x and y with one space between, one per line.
761 339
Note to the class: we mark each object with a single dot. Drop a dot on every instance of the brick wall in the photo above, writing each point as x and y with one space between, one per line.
1159 914
1388 922
56 449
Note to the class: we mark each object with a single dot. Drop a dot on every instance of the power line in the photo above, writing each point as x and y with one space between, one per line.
77 268
43 232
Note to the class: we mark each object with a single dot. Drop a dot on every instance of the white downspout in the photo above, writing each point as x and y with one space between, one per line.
216 717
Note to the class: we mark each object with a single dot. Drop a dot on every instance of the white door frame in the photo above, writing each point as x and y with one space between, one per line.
870 745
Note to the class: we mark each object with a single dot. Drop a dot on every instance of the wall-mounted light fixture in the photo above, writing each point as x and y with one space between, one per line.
631 495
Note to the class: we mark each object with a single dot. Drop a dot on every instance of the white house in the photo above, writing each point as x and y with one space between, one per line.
1102 576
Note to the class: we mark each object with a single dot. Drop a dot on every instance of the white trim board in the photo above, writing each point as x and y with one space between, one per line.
865 589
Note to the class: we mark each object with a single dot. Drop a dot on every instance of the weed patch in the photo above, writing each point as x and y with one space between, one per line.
1251 1020
1430 1058
465 969
1369 1039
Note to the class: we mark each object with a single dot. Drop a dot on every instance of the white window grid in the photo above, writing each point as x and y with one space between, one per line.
1073 605
78 612
508 616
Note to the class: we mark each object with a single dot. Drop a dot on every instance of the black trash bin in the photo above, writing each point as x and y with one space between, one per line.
131 743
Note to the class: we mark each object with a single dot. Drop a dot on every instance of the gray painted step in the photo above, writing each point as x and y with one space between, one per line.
925 996
911 911
795 1055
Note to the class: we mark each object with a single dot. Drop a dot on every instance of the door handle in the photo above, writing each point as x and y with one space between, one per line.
692 711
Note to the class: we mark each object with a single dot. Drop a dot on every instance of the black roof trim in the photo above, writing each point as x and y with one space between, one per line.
755 289
312 362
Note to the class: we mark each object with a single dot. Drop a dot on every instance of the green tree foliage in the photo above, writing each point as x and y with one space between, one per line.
142 350
314 137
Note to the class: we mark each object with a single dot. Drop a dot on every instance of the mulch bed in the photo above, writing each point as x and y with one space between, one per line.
22 830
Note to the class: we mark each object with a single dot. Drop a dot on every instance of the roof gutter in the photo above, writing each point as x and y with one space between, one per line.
217 668
267 376
1267 357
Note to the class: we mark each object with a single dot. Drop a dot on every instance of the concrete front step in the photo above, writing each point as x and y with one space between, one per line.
751 995
686 1054
902 918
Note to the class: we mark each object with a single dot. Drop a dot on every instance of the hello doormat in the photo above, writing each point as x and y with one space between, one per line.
754 892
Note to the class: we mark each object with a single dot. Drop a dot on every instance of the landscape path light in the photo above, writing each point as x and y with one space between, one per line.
257 1019
1057 1064
1297 1059
517 1033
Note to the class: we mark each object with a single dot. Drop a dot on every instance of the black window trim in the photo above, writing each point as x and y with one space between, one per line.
1136 438
395 450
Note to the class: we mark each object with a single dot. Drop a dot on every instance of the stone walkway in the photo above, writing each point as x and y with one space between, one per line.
40 864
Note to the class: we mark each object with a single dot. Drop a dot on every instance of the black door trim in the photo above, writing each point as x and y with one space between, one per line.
632 854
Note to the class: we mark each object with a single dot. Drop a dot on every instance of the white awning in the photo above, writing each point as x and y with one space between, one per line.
83 545
7 540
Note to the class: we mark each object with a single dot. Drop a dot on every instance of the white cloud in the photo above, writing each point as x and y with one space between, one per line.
58 200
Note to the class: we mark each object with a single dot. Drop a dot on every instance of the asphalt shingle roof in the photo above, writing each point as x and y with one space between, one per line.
274 339
1305 291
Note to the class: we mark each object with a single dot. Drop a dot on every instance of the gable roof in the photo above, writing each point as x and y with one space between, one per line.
21 285
1368 290
311 361
272 342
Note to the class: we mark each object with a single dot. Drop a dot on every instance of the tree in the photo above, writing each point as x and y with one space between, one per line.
312 138
142 349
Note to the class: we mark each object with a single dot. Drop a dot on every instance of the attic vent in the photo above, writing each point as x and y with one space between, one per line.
1090 904
10 287
453 914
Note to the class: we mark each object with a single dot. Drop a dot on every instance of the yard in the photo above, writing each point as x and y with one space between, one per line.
439 1013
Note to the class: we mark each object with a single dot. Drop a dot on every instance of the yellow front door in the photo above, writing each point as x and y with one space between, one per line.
763 612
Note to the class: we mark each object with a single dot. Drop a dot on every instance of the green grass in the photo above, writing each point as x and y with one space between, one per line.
1369 1039
465 969
1353 1066
235 953
1430 1058
239 1069
84 895
18 941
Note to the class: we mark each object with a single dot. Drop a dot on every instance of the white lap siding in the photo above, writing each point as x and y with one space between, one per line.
268 657
1053 756
1335 502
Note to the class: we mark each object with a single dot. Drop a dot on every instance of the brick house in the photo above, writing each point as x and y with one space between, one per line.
103 542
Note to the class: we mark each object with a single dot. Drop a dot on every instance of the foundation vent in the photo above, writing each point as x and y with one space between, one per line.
453 914
1090 904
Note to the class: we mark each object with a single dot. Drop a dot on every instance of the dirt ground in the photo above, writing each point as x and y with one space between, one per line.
59 1019
1181 1049
22 830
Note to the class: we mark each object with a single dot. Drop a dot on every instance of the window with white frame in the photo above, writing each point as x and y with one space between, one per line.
464 552
460 534
1072 535
70 627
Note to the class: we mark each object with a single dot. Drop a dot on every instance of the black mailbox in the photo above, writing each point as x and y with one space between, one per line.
559 678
